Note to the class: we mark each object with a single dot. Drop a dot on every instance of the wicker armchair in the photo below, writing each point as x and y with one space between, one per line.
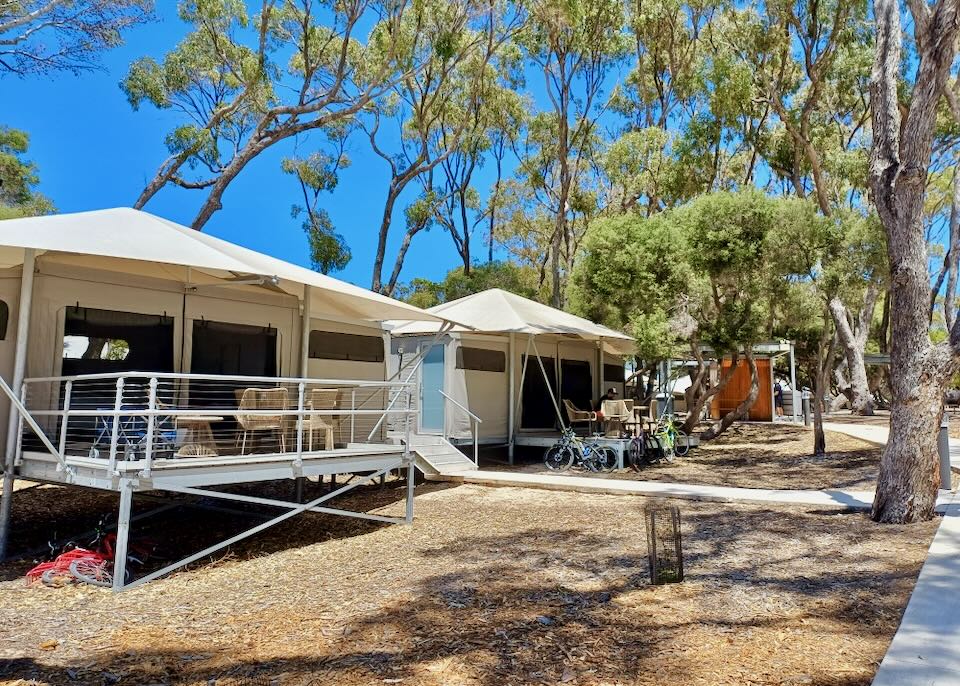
577 416
262 399
321 399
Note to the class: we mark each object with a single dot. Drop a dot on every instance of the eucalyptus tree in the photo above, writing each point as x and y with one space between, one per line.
46 36
814 78
19 178
243 83
904 113
442 111
316 174
576 45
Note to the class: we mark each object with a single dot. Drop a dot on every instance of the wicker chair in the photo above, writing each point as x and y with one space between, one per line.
579 416
615 414
321 399
262 399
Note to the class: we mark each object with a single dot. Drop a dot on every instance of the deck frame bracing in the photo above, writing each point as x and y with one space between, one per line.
200 476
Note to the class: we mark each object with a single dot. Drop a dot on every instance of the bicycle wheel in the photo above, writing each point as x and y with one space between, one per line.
558 458
606 458
93 572
636 454
56 577
666 445
681 443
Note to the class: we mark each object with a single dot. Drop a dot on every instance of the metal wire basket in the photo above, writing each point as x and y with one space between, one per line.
664 544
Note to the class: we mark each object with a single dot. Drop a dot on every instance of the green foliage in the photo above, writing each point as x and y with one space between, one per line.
19 178
458 284
316 174
42 37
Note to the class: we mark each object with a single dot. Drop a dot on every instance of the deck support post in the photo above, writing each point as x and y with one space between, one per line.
410 486
19 371
512 381
123 535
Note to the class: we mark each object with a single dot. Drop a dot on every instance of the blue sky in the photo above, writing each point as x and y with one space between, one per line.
93 151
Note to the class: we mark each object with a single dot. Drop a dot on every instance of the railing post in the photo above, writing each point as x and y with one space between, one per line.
151 427
115 430
353 413
18 454
300 393
476 443
67 393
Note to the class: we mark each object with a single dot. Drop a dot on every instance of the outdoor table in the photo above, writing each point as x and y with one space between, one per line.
199 441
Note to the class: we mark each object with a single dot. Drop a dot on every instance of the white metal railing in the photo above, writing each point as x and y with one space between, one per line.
138 417
475 423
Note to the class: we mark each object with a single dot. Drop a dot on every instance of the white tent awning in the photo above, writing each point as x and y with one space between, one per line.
500 312
128 234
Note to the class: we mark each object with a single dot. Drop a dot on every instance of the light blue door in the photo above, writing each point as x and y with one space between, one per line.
431 383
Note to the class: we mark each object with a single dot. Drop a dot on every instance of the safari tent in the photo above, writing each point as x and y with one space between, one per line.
136 347
511 370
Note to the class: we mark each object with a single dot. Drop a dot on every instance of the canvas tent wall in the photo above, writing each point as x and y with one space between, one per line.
578 357
252 312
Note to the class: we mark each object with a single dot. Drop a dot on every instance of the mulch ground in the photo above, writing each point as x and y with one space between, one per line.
489 587
757 456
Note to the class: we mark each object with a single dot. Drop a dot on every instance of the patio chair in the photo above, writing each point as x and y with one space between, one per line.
615 414
577 416
321 399
254 399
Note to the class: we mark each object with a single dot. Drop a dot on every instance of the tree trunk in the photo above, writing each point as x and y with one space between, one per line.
741 410
376 283
899 163
853 340
953 254
909 469
696 404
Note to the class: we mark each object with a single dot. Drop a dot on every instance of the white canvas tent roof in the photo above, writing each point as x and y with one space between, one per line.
128 234
501 312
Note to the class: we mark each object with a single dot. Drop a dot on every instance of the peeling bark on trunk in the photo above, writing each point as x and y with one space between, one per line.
741 410
899 163
853 340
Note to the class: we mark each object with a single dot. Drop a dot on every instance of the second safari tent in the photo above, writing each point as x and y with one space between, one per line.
513 369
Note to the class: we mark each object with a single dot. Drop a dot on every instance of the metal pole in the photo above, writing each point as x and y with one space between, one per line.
943 449
410 476
67 393
115 431
305 333
793 382
805 395
511 382
19 371
523 375
123 535
151 427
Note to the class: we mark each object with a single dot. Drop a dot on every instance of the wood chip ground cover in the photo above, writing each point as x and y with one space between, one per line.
489 587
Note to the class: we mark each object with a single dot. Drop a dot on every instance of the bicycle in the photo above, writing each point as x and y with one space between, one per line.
673 440
92 564
644 449
572 450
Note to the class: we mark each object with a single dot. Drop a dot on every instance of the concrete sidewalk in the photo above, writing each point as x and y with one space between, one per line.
853 500
877 434
926 648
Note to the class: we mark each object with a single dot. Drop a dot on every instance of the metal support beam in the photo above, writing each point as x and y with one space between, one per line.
292 512
123 534
19 371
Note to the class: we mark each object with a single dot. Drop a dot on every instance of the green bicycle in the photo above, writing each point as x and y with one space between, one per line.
673 440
